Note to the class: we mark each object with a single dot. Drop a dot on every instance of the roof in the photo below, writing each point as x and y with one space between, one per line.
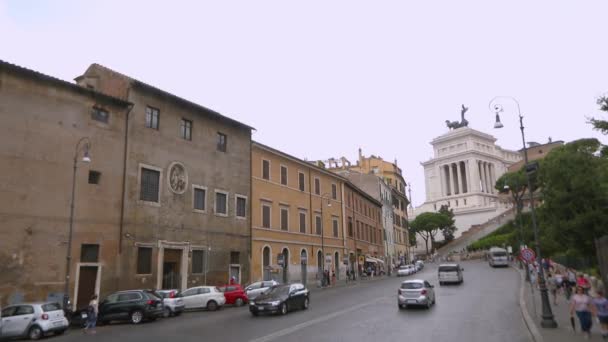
319 169
176 98
413 281
60 83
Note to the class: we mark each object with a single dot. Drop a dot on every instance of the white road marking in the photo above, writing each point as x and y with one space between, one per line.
321 319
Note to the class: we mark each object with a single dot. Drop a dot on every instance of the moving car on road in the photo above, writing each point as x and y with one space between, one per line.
404 270
133 306
498 257
234 294
172 302
281 299
207 297
259 287
416 292
420 264
32 320
450 273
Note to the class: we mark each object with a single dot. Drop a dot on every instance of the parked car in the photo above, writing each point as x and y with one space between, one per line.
234 294
416 292
133 306
33 320
281 299
207 297
420 264
403 270
450 273
259 287
172 302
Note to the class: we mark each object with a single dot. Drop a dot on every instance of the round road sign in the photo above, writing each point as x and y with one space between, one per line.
527 254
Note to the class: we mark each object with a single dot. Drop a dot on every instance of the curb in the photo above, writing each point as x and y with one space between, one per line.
530 324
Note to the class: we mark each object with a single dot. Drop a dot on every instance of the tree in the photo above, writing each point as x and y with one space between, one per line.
514 183
574 179
601 125
427 225
448 229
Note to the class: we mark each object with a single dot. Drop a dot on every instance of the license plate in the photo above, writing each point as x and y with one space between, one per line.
84 315
261 308
413 301
56 324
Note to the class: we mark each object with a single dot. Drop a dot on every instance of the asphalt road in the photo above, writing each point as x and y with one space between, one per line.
484 308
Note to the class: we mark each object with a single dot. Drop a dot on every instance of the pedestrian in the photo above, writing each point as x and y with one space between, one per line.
347 275
92 311
552 287
583 282
232 280
580 303
601 308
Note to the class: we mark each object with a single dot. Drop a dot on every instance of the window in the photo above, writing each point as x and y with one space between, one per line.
241 206
334 191
198 261
301 181
350 227
150 185
89 253
235 257
283 175
144 260
284 219
317 186
152 118
358 230
266 169
24 310
265 216
125 297
94 177
222 142
302 222
335 227
185 129
318 225
200 197
221 203
100 115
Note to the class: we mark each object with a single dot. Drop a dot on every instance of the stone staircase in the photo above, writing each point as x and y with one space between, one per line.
476 232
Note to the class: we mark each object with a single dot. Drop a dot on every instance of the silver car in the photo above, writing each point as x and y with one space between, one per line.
258 288
172 302
33 320
416 292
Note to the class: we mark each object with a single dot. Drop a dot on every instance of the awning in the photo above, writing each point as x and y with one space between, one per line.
373 260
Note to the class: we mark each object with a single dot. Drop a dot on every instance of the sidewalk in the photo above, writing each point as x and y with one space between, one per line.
342 283
561 313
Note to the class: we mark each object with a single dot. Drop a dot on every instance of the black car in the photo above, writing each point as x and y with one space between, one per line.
281 299
133 306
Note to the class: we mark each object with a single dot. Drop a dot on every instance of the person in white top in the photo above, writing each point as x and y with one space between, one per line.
92 311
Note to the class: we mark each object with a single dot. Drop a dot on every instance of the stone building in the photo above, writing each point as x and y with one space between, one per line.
462 175
164 202
302 223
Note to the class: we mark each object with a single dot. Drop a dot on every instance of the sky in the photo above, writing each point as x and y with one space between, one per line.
320 79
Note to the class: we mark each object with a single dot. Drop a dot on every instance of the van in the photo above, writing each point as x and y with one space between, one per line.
450 273
498 257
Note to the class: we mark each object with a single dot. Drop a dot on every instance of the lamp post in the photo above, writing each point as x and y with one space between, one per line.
518 203
85 159
323 197
495 105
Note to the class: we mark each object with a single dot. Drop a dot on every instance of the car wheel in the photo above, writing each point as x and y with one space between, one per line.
284 309
428 304
177 313
306 303
254 313
166 313
400 306
211 305
35 333
60 332
137 316
239 302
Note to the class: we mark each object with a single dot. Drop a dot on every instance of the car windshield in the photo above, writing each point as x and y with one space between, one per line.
410 286
278 290
51 307
448 268
499 254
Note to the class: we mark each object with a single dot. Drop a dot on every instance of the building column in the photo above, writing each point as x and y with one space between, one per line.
446 173
442 182
467 175
486 177
474 175
480 178
493 176
454 174
460 183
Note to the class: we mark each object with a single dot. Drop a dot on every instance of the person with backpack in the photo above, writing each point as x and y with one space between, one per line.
581 304
601 309
92 311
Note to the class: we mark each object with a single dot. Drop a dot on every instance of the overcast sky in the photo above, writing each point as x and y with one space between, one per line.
319 79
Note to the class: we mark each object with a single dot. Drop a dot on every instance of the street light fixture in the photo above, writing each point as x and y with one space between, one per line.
86 145
495 105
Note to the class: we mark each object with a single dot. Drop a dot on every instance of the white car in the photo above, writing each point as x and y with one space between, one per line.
403 271
450 273
207 297
33 320
259 287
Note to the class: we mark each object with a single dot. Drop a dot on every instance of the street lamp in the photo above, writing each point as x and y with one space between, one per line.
323 197
517 201
495 105
85 159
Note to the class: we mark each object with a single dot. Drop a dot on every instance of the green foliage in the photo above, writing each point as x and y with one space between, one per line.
449 228
428 224
601 125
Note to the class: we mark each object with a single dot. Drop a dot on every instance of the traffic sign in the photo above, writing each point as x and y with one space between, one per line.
527 254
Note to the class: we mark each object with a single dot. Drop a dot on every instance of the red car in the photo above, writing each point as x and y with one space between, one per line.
234 294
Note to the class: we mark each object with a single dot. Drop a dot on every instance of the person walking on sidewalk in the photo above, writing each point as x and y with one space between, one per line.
583 282
552 286
581 304
92 310
601 308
